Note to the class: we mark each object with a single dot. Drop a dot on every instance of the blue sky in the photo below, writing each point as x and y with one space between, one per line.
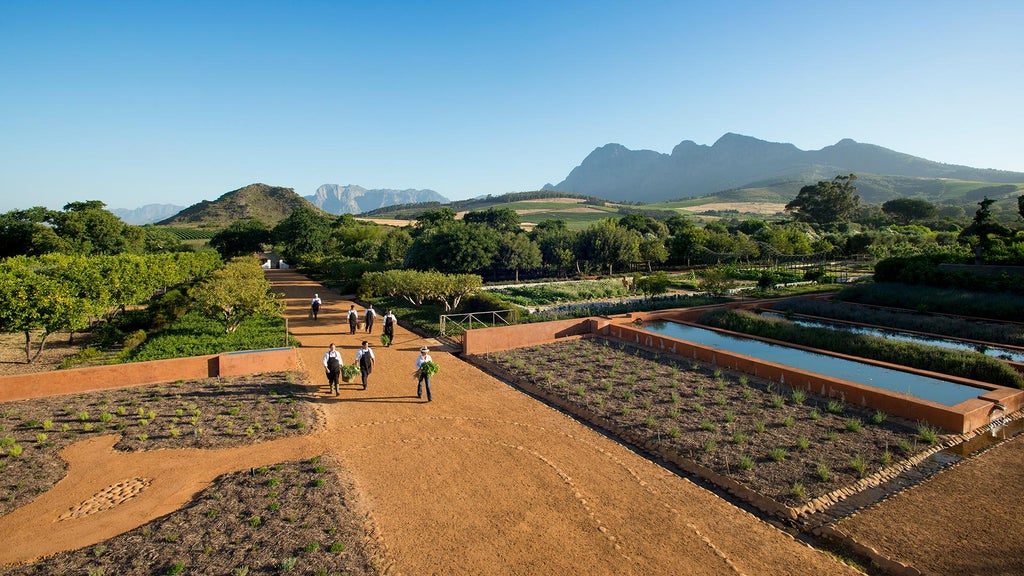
175 102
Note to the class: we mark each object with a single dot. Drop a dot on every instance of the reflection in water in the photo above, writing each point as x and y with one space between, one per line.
933 389
994 351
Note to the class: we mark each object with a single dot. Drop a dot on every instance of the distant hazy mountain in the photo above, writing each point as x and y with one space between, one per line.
734 161
351 199
269 204
147 214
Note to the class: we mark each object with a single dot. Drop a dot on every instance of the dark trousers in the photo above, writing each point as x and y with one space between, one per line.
369 324
352 325
419 387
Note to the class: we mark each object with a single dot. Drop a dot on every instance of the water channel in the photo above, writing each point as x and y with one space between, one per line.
933 389
951 343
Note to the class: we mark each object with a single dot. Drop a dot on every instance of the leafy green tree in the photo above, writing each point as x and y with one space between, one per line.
785 239
985 231
677 224
644 225
241 238
607 244
88 228
518 252
652 250
418 286
906 210
827 202
393 246
1020 206
686 244
236 292
556 243
303 235
22 232
435 218
456 247
500 219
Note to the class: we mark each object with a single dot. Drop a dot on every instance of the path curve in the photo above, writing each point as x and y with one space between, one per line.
483 480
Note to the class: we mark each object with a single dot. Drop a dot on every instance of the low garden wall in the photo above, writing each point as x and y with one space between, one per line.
484 340
77 380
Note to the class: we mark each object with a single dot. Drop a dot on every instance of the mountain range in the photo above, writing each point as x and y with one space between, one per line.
351 199
617 173
146 214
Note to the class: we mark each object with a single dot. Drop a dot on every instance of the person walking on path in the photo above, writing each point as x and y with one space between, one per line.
365 358
314 306
371 314
424 378
353 319
332 366
389 327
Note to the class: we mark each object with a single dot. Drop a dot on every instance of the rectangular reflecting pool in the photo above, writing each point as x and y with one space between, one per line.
933 389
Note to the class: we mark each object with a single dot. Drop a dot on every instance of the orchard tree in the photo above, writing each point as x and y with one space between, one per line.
236 292
418 287
826 202
906 210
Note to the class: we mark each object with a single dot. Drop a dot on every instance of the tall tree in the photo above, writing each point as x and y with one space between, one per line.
826 202
303 235
906 210
518 252
88 228
608 244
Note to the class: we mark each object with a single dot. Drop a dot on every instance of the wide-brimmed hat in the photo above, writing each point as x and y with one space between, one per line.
424 349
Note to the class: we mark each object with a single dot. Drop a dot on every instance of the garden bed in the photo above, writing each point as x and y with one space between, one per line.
294 516
209 413
787 445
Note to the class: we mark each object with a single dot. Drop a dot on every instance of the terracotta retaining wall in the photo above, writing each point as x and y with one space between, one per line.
484 340
77 380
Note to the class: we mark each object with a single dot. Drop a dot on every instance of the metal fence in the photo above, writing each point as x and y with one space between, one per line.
454 325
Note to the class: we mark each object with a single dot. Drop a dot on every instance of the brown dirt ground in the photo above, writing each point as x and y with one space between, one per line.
486 480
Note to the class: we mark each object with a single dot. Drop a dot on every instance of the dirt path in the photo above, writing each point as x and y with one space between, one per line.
483 480
486 480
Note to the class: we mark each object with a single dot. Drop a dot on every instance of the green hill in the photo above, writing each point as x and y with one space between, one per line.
268 204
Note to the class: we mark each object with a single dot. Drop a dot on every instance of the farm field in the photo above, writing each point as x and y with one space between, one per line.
487 480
